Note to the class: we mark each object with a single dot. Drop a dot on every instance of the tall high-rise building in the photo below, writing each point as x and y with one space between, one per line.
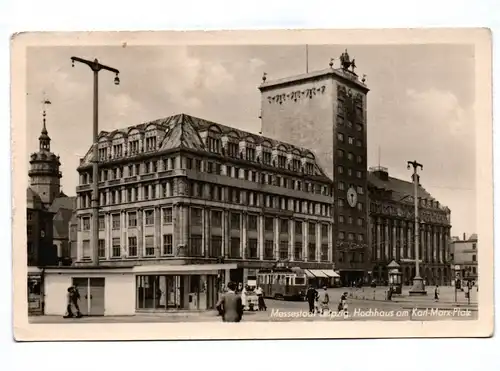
326 111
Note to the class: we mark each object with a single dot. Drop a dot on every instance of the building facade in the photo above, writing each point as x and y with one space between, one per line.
464 254
326 110
392 229
183 190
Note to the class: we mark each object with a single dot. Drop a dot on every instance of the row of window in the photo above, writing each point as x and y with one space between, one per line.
342 187
350 140
359 173
351 236
350 156
359 206
133 146
214 167
116 250
209 192
196 219
349 125
350 220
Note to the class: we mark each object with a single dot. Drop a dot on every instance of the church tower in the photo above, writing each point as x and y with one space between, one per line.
44 173
325 111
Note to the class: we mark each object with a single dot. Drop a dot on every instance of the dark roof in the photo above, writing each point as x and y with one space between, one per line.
33 199
399 188
61 223
63 202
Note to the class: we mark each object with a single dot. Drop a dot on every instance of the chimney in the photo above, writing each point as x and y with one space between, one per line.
464 236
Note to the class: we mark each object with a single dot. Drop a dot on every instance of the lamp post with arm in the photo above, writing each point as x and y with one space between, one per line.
96 67
418 287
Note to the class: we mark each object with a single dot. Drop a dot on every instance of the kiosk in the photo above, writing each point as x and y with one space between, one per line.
395 278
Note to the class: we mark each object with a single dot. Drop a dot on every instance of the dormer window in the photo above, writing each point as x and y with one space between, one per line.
134 146
309 168
250 154
150 143
232 149
102 153
266 158
295 165
281 161
214 144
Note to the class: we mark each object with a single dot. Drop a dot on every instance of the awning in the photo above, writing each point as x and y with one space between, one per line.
309 274
330 273
318 273
183 269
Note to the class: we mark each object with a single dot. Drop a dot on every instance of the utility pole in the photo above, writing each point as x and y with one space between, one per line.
95 66
418 287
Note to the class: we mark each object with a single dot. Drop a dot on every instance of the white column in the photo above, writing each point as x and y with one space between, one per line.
260 243
305 239
291 239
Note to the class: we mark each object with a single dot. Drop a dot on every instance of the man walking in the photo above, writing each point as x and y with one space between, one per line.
311 296
230 305
324 300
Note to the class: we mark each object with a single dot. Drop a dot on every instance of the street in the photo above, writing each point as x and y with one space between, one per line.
361 307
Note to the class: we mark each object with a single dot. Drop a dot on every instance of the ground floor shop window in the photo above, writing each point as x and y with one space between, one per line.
171 292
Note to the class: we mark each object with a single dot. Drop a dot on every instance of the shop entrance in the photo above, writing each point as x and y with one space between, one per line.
350 278
91 291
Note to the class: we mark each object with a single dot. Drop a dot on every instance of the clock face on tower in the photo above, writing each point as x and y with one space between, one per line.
352 197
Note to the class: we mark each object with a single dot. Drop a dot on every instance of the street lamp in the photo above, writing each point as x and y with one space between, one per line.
418 287
95 66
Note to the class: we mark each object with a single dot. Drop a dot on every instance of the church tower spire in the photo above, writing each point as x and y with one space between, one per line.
44 138
44 173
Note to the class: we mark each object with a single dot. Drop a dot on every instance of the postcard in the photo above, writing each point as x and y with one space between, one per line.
252 184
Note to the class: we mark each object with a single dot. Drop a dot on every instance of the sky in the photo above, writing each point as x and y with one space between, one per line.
420 104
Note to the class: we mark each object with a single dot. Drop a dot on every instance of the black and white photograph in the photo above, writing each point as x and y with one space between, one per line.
282 182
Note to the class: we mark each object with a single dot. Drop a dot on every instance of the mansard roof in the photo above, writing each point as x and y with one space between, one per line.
185 131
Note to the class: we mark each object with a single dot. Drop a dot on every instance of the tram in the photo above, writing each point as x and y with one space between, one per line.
283 283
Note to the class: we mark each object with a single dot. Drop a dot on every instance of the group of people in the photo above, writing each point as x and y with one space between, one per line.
72 307
232 302
319 301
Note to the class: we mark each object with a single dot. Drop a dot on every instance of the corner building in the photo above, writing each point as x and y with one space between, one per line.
186 191
326 110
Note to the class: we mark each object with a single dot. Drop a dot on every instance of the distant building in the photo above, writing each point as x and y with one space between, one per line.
48 212
464 254
392 226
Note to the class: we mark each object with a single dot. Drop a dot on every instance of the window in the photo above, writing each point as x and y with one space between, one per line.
216 247
30 231
167 215
269 224
341 202
358 143
269 249
86 224
250 154
350 156
324 230
341 186
298 228
167 248
252 248
235 221
324 252
350 236
312 230
101 248
312 251
341 235
349 172
232 149
284 226
234 247
359 159
149 217
283 250
473 258
360 206
360 222
297 254
216 218
196 216
132 246
150 245
116 249
474 245
340 169
29 216
349 220
132 219
86 249
115 221
189 163
359 174
351 140
341 219
195 245
281 161
252 222
359 127
340 137
266 158
361 238
360 190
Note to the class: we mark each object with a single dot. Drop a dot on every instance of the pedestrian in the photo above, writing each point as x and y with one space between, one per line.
311 295
75 297
260 296
230 305
69 302
436 293
324 300
342 308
